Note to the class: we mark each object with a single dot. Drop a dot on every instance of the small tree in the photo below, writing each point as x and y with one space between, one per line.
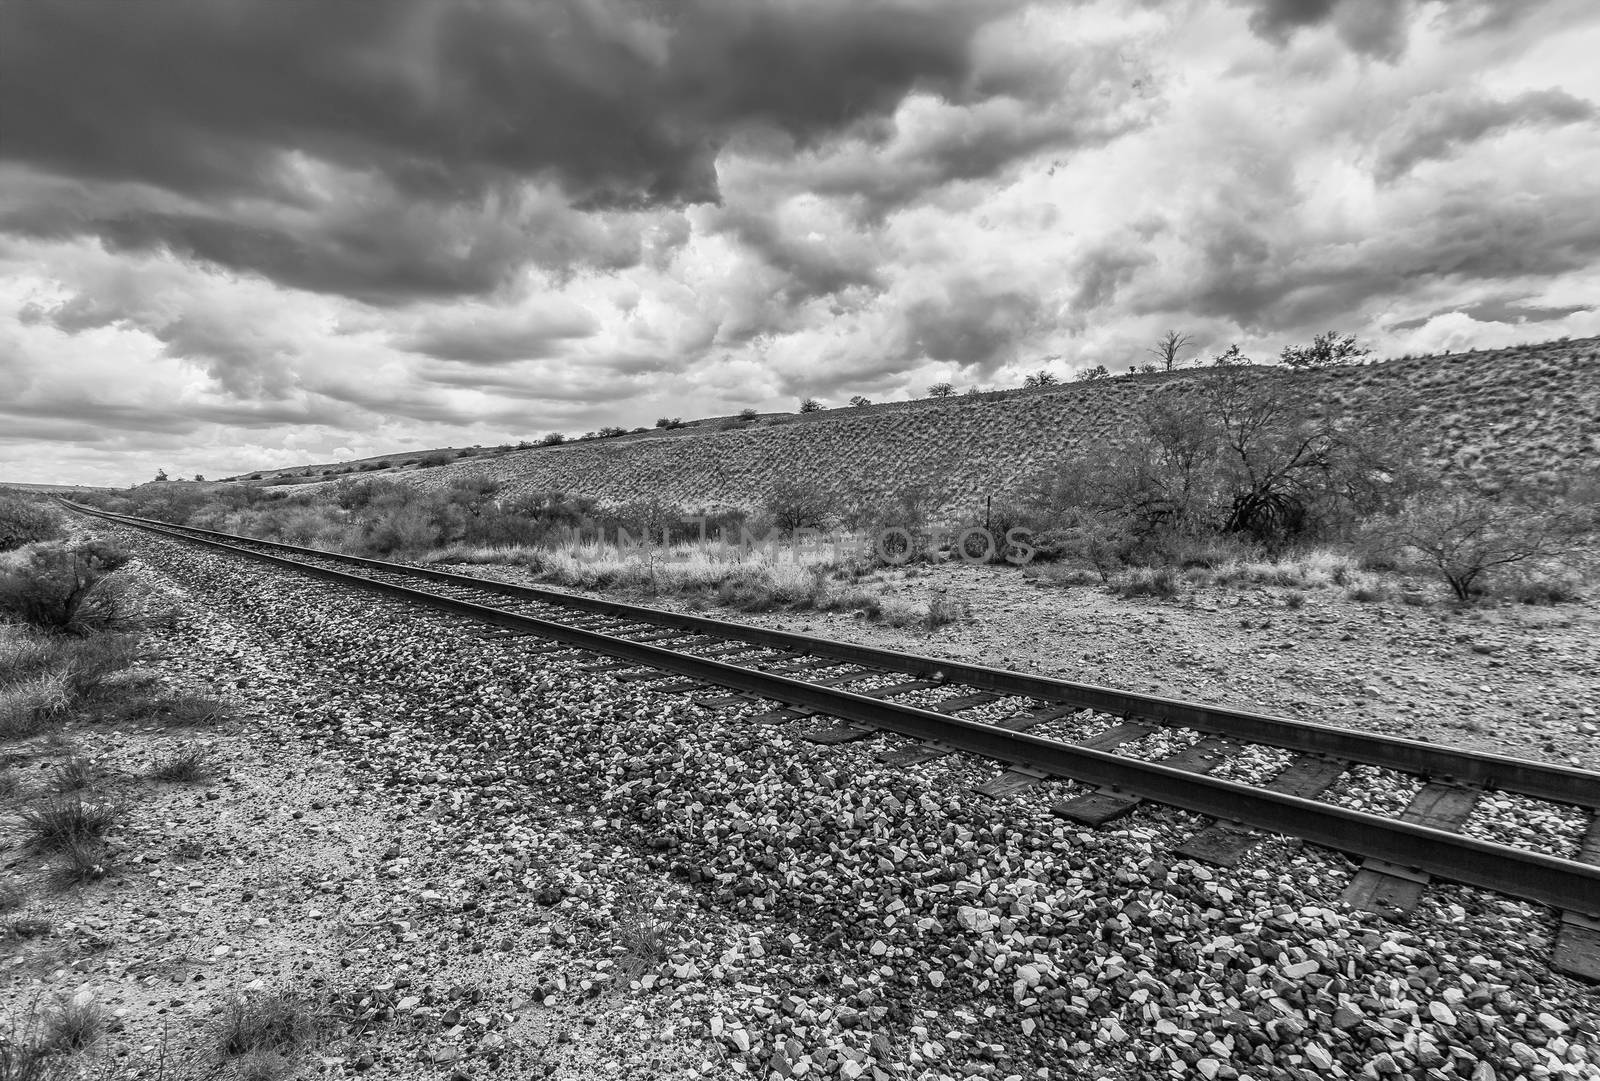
749 413
1326 350
795 503
200 478
1166 350
1466 535
161 474
858 401
1041 378
1090 375
941 390
553 439
810 405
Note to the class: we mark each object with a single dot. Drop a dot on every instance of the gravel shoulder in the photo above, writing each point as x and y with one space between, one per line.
524 869
1509 679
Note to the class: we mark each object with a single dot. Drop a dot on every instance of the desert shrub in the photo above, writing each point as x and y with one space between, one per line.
429 461
66 589
1467 535
26 521
553 439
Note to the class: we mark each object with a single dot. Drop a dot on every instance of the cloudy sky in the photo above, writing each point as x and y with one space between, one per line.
246 233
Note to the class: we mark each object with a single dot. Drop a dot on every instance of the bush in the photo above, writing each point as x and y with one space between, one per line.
553 439
1467 535
810 405
66 589
26 521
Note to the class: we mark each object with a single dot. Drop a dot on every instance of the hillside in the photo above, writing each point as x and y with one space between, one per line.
1520 410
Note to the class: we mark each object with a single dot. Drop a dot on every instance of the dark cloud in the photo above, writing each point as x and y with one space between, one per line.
241 106
1377 28
1440 124
813 265
501 337
1256 274
972 324
1497 310
80 418
359 237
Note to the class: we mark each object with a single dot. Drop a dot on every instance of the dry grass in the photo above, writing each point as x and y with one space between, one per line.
61 823
71 1025
30 706
275 1024
194 762
762 580
73 775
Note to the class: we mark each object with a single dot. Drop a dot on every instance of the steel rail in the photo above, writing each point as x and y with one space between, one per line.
1564 884
1540 780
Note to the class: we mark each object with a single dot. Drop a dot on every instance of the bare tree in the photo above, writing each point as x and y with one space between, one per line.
1090 375
810 405
1166 350
941 390
859 400
1044 377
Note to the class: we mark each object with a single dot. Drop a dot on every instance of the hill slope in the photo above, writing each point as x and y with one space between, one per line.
1527 409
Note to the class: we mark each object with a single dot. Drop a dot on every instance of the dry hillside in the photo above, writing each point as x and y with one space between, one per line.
1525 409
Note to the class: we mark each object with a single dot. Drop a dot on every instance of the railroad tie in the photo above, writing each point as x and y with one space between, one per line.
1392 890
1014 780
1577 950
1223 843
843 732
900 688
1024 721
1102 805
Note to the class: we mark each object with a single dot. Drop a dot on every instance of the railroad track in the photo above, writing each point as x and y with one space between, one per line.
727 663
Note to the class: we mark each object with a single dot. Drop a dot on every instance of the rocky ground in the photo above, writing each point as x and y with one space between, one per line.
489 862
